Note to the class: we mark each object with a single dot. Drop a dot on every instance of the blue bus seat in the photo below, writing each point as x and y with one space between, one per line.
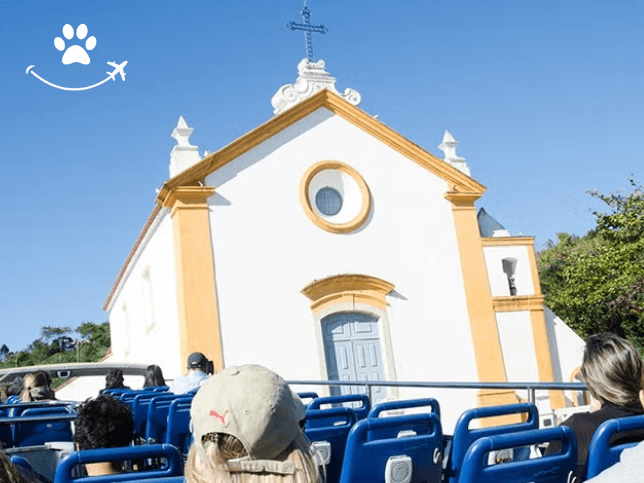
361 411
464 436
140 407
554 468
306 396
37 426
172 467
116 392
6 437
21 461
178 431
158 410
166 479
418 456
157 388
601 454
390 431
330 426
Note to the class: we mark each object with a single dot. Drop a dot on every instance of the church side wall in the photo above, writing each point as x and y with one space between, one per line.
143 314
266 251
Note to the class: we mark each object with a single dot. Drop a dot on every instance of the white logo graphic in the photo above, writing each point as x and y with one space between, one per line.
77 54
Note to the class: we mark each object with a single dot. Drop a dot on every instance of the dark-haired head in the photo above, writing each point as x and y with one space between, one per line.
153 376
103 422
114 379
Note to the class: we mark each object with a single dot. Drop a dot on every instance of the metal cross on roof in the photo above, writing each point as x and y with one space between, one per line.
308 28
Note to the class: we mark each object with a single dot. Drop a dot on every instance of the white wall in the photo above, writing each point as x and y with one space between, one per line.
519 357
141 334
498 279
567 349
266 251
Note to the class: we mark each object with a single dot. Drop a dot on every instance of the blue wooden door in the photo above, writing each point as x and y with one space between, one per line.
352 350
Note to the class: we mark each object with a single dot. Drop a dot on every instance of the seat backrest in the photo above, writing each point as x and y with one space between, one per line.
601 454
178 431
158 410
37 426
21 461
390 431
331 426
140 407
172 466
307 397
464 436
553 468
158 388
6 436
116 392
418 456
358 402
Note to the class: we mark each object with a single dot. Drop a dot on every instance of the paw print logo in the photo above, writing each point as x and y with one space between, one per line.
75 53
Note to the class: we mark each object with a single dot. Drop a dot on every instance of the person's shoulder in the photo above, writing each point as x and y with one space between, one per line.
628 470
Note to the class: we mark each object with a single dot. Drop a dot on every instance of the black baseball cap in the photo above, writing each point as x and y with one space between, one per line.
197 360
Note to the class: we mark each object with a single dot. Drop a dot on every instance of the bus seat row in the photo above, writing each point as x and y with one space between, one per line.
382 446
33 425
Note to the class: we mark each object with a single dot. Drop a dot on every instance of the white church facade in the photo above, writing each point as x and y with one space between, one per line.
325 245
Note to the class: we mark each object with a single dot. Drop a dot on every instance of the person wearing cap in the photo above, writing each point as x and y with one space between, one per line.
197 374
246 424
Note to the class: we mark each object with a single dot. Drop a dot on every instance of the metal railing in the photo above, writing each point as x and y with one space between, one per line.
530 387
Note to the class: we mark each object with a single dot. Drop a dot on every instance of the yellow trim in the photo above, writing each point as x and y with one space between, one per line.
485 334
350 225
199 328
507 240
534 270
350 288
516 303
334 103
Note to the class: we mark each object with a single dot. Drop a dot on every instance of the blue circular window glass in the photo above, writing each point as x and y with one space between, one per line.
328 201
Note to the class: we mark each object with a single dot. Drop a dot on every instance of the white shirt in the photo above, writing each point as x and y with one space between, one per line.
192 380
629 469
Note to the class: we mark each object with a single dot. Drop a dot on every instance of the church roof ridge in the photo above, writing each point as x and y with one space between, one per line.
336 104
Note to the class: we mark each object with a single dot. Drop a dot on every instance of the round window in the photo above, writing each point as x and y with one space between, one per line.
328 201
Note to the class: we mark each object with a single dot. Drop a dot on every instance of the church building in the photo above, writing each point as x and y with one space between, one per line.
325 245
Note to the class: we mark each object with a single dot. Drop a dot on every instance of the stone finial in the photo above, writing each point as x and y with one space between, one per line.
311 78
448 146
184 154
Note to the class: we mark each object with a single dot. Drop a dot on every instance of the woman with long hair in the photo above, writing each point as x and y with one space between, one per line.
153 376
612 370
36 387
247 429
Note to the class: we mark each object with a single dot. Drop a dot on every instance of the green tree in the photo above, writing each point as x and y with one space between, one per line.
596 282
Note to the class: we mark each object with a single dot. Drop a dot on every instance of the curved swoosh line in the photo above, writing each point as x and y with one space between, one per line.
69 88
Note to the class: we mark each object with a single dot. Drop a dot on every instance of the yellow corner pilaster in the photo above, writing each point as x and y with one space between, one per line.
199 328
485 334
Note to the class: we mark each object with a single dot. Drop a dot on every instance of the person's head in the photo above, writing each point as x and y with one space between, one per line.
36 387
246 428
114 379
612 369
153 376
103 422
15 388
197 362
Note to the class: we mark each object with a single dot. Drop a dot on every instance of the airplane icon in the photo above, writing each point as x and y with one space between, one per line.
118 69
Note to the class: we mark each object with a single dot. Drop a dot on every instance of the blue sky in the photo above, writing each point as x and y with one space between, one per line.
544 96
